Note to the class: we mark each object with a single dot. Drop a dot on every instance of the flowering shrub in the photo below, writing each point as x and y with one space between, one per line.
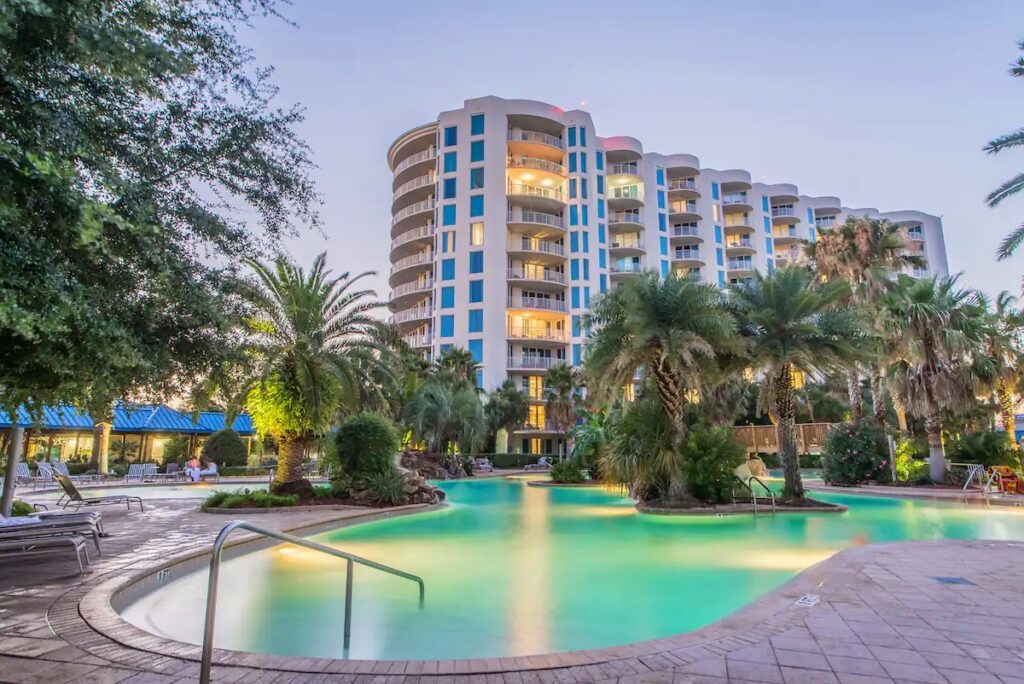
855 453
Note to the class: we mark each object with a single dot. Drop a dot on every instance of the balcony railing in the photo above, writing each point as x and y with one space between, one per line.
429 153
916 235
409 288
410 235
546 426
685 230
825 221
686 254
624 167
523 216
741 221
632 192
740 264
626 268
533 362
421 206
536 136
547 275
414 260
546 303
418 182
626 242
783 211
536 333
625 217
735 198
742 242
421 340
682 208
534 245
536 191
682 184
789 232
412 314
535 164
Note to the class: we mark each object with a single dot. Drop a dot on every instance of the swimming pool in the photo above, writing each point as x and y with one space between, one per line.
197 490
518 570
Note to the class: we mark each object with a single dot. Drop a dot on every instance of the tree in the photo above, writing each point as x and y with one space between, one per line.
560 389
672 330
1014 185
457 368
934 326
865 253
792 323
127 129
1004 354
313 333
443 417
507 408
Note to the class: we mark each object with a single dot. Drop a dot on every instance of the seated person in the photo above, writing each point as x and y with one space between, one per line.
192 469
210 469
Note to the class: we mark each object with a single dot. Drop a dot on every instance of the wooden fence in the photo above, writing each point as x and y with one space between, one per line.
765 438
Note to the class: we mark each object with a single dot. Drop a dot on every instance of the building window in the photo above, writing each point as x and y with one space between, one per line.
577 354
586 242
445 348
572 188
448 297
476 124
479 373
575 294
769 247
664 269
476 178
600 208
661 199
574 269
714 191
447 241
476 348
764 203
602 258
714 212
574 241
476 291
586 269
448 215
586 214
583 136
476 320
600 233
586 296
572 136
574 215
599 155
604 282
600 185
718 234
583 188
476 233
476 262
664 245
448 188
451 136
583 162
447 269
476 205
449 162
575 326
476 151
721 278
662 223
447 325
719 256
572 162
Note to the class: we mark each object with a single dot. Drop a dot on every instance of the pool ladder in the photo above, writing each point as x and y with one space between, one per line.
211 595
753 497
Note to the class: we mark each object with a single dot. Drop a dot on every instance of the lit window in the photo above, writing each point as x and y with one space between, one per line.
476 233
714 211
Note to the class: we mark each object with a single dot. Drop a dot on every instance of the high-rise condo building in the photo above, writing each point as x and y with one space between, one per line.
509 216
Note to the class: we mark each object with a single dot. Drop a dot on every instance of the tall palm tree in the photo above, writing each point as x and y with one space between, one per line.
458 368
1014 185
444 416
865 253
1004 347
790 323
312 333
507 408
672 330
560 389
935 328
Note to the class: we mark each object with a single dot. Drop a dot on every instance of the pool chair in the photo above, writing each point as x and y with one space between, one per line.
1009 481
53 524
62 468
136 471
23 476
75 498
36 547
483 465
543 463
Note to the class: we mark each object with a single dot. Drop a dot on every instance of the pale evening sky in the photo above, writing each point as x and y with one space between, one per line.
885 104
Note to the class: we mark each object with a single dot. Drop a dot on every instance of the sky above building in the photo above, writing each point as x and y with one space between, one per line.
884 104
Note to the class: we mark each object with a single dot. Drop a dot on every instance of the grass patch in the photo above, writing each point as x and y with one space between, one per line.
242 498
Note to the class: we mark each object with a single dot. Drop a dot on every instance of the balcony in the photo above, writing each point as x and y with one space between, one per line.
410 290
534 246
406 218
535 218
688 255
631 170
625 197
824 222
535 164
424 184
625 269
547 426
536 196
626 243
739 243
736 201
738 223
684 211
425 233
786 211
785 234
535 137
537 275
915 234
624 219
541 303
683 185
420 340
536 333
740 264
427 155
688 231
416 314
533 362
410 266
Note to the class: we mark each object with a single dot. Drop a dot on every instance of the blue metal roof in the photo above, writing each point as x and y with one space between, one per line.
132 418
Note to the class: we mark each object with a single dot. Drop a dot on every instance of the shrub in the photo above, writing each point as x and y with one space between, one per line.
855 453
176 450
987 447
909 468
20 507
366 445
225 448
80 468
569 471
386 486
242 498
710 457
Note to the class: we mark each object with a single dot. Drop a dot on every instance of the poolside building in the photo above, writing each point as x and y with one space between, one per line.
509 216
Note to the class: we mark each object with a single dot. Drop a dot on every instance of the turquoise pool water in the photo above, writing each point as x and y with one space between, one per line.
516 570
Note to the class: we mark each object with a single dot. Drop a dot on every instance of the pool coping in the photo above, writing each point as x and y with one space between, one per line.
767 615
946 495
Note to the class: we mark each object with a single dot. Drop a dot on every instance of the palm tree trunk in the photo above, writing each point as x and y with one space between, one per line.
936 452
785 414
1005 397
853 394
901 410
290 448
878 399
670 392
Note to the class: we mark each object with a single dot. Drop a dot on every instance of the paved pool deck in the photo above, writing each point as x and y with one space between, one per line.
944 612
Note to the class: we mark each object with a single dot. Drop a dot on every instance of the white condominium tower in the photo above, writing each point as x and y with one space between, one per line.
508 216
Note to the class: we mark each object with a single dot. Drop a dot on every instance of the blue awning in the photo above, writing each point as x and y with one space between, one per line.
132 418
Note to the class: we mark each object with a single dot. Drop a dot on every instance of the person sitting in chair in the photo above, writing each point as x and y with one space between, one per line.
210 469
192 469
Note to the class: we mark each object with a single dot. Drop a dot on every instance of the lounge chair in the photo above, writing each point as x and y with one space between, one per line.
483 465
23 476
136 471
75 498
150 473
543 463
62 468
18 549
52 524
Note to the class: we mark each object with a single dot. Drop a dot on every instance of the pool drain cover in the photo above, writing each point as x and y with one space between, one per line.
953 580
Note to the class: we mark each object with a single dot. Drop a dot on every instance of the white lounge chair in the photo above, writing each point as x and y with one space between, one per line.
51 524
34 547
62 468
136 471
543 463
484 465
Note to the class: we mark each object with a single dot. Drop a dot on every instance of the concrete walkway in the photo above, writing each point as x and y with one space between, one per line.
945 612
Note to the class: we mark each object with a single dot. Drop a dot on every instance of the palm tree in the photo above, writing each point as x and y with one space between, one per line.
792 323
1015 184
312 334
865 253
672 329
458 368
560 389
507 409
443 416
1004 348
934 327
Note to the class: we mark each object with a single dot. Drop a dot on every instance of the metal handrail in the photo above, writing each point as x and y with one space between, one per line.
771 494
211 595
753 498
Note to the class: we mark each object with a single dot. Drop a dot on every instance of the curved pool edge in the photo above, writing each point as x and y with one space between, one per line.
763 618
